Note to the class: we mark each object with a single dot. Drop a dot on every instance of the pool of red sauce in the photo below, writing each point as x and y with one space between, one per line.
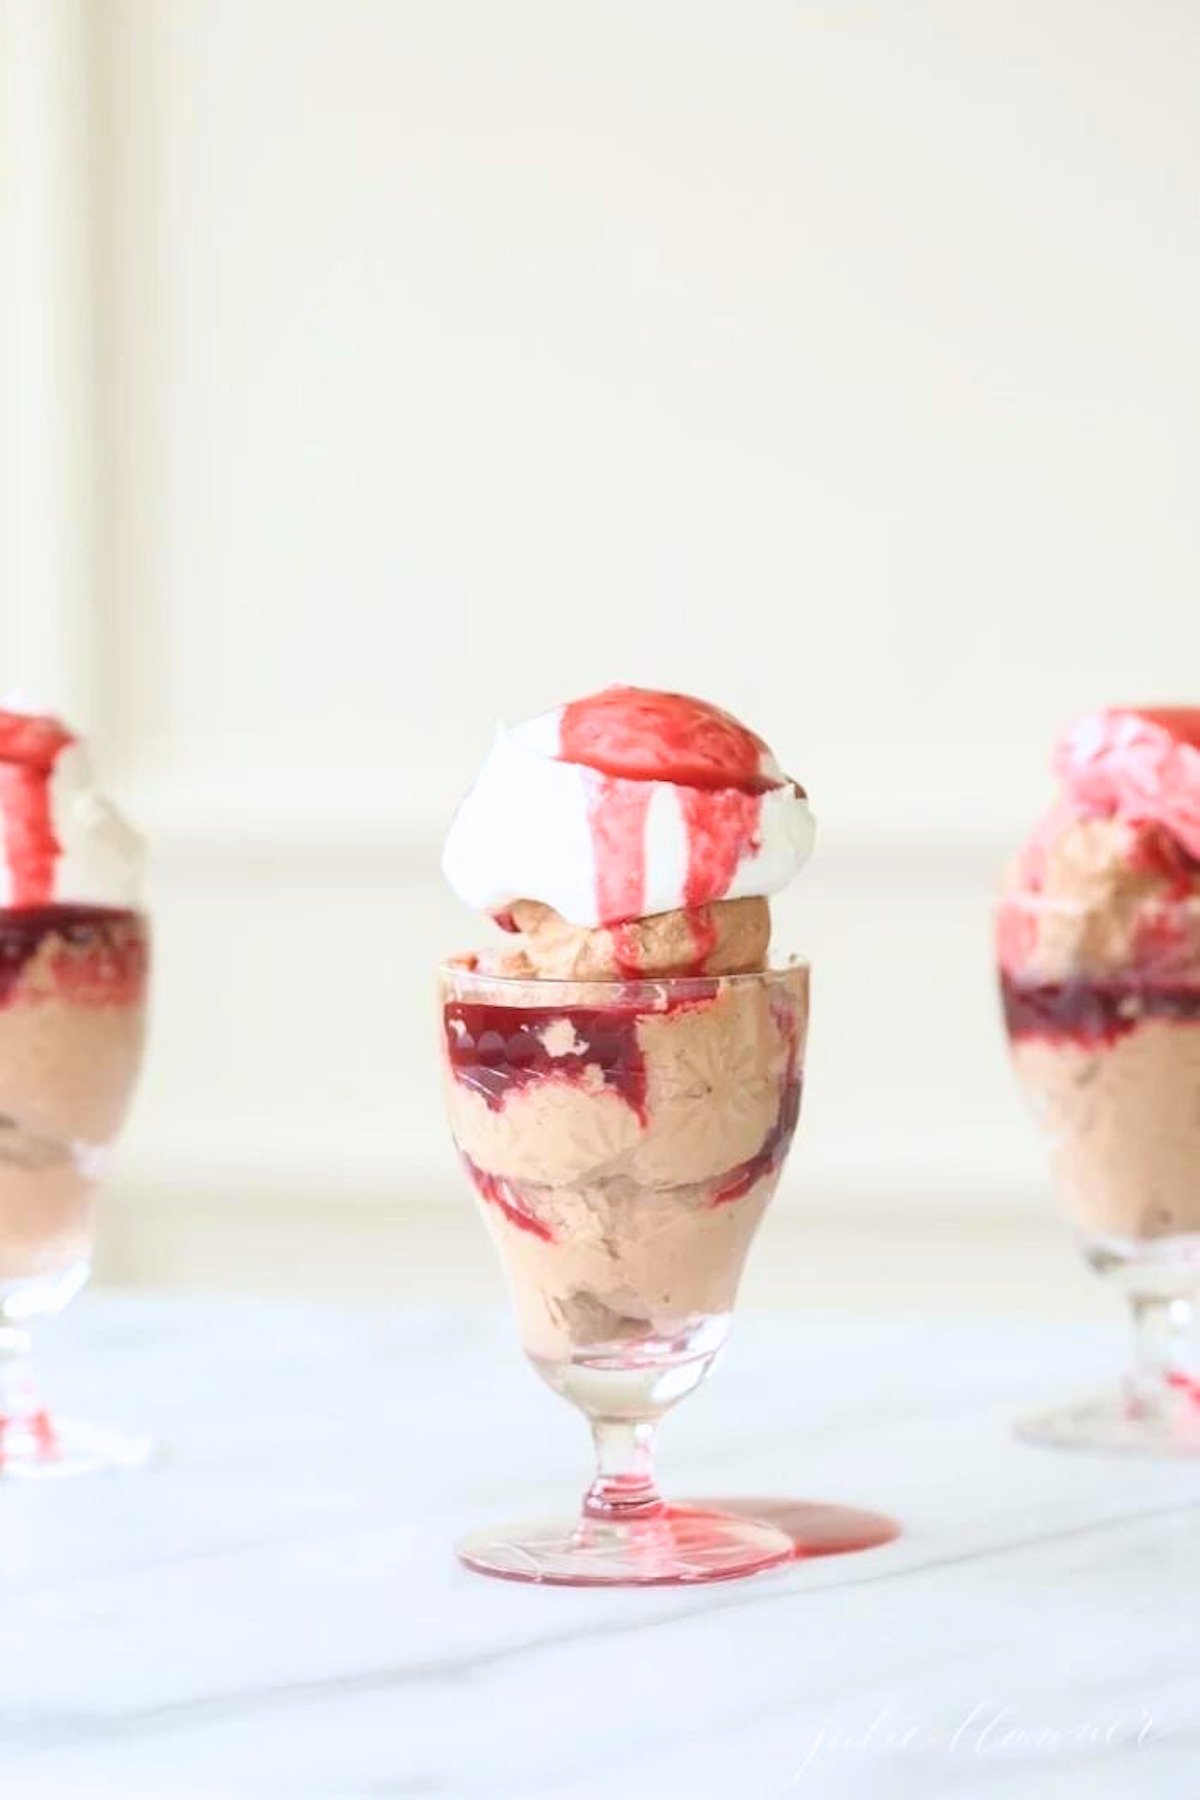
816 1528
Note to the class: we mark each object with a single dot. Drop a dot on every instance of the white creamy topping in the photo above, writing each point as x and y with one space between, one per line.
524 833
101 857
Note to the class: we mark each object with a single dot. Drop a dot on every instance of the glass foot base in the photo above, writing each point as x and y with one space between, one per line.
39 1447
680 1544
1117 1422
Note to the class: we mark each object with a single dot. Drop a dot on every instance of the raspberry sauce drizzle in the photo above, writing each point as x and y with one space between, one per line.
1180 722
501 1194
637 734
764 1162
629 738
767 1159
617 813
627 949
495 1050
704 938
1153 850
29 747
721 828
1091 1013
626 952
101 953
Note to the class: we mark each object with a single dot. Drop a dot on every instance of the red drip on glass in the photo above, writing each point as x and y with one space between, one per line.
737 1184
503 1195
739 1181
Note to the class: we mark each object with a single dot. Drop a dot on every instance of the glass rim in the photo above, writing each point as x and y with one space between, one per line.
452 969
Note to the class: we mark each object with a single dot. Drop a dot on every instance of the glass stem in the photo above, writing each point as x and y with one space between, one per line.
623 1486
1161 1327
18 1398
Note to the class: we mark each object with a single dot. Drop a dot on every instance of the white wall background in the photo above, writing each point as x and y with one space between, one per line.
372 369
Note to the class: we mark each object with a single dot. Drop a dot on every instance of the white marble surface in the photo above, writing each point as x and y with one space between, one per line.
273 1608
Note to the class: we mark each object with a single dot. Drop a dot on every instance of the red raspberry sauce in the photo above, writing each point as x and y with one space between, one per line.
28 749
494 1049
640 735
1088 1012
1180 722
502 1194
100 959
632 736
617 812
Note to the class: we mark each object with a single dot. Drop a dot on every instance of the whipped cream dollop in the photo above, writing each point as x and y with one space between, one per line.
61 841
1143 763
623 805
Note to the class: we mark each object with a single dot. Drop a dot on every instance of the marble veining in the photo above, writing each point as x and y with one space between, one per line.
272 1608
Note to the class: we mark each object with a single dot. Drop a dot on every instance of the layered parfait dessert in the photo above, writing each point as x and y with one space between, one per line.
624 1076
73 956
1099 952
1099 949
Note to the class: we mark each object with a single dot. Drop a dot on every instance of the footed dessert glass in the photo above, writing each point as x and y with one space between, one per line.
1111 1065
72 1006
623 1139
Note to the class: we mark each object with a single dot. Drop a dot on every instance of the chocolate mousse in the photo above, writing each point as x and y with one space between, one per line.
729 937
626 1147
1099 950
